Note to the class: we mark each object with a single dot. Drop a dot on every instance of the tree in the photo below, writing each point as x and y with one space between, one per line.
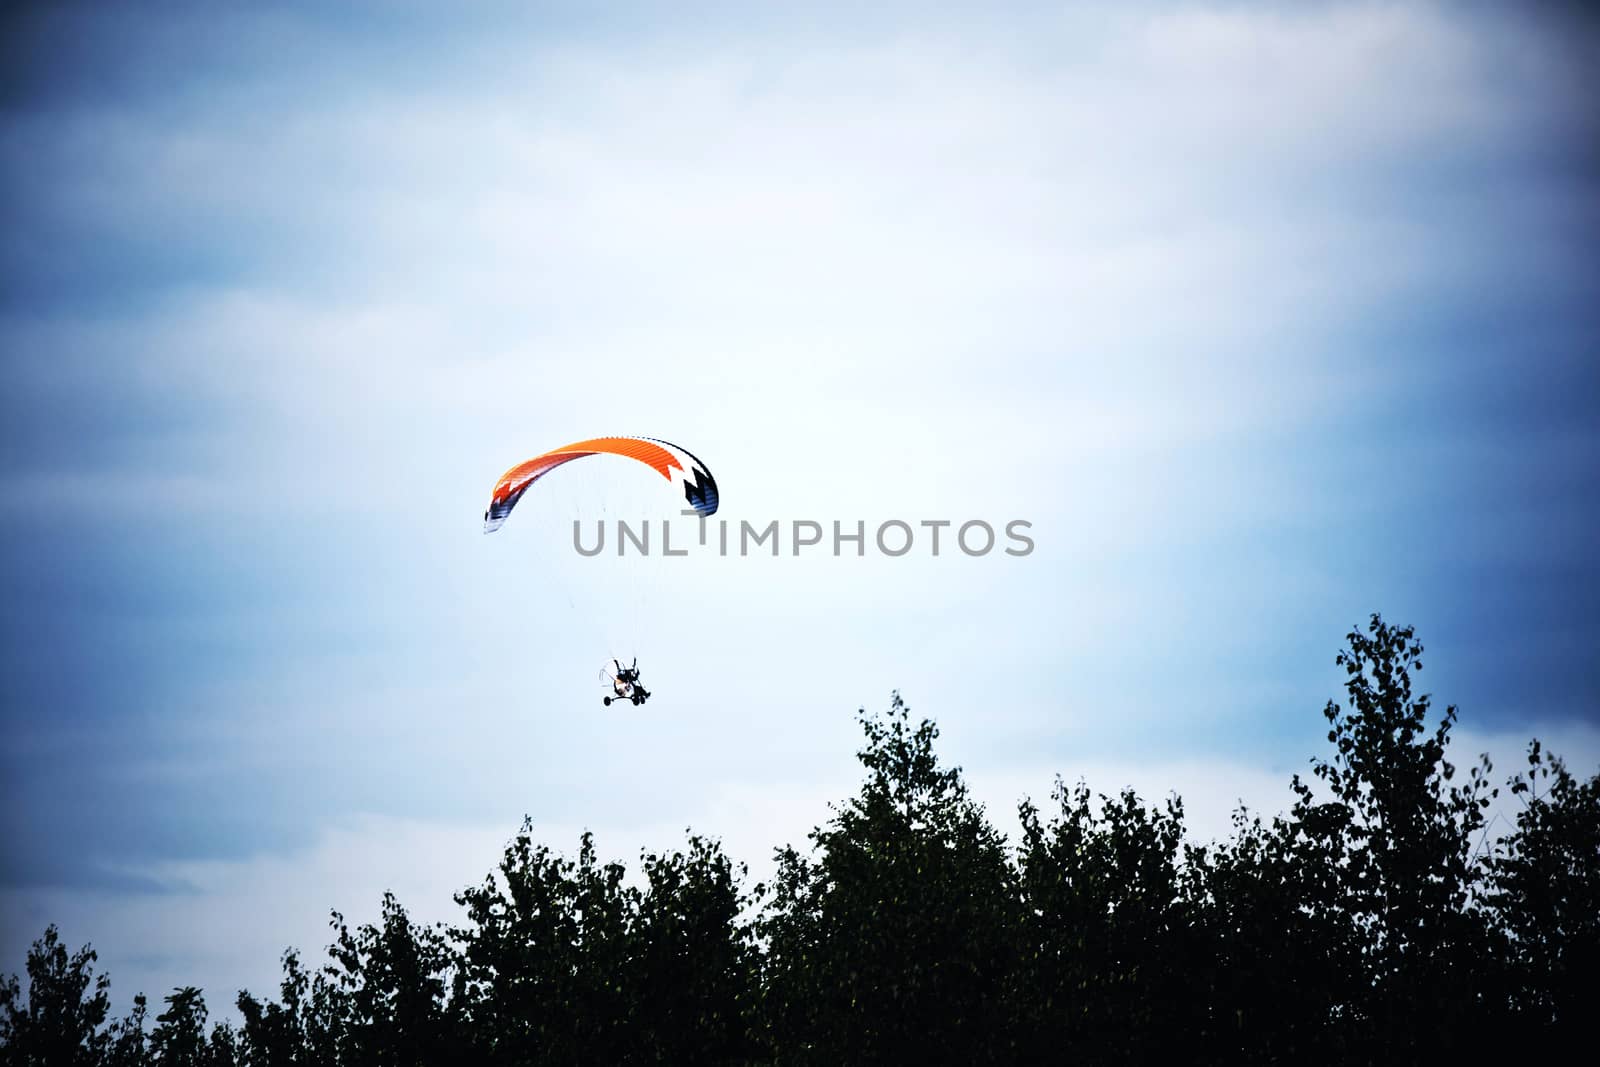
1367 924
282 1034
59 1022
128 1045
1393 850
1545 895
1285 961
544 955
692 961
1106 946
179 1039
893 943
386 990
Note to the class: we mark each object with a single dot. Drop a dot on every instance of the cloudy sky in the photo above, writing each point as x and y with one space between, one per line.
1265 317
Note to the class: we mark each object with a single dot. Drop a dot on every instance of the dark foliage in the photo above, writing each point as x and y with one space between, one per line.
1376 921
894 940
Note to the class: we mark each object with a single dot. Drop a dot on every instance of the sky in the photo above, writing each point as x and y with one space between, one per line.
1265 317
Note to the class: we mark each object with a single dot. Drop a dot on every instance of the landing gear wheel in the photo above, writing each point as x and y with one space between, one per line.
637 701
607 700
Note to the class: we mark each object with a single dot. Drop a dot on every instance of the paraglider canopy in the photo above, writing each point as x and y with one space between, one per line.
673 463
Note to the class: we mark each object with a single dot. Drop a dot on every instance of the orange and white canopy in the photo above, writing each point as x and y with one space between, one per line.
675 464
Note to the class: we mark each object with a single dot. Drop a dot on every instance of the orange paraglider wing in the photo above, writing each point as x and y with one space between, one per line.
675 464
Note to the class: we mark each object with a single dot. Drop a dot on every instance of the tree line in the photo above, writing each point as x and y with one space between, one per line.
1376 921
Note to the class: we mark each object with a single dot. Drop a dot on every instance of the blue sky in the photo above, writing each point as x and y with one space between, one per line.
1266 317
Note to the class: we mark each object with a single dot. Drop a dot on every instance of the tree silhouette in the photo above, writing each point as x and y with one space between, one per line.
1375 921
179 1038
692 961
60 1020
1545 896
893 942
543 958
1107 936
1396 843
